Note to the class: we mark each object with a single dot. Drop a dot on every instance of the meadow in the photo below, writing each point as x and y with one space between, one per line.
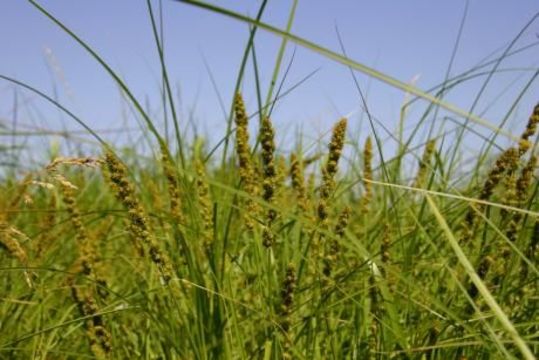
333 250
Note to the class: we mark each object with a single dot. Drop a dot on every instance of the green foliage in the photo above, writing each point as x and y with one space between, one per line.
169 258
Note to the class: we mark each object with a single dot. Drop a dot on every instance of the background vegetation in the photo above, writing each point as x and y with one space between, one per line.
336 249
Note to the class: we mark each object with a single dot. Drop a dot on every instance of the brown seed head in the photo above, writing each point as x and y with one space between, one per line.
246 169
171 175
330 169
367 175
138 222
531 128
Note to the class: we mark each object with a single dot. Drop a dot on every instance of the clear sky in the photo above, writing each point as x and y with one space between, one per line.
406 39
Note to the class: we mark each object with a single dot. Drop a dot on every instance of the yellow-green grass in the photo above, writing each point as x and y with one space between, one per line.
198 253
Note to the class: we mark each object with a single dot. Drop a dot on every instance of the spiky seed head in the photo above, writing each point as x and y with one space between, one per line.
531 128
330 169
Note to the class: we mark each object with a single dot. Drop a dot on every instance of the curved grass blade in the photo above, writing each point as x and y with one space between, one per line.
57 104
353 64
454 196
483 290
107 68
166 81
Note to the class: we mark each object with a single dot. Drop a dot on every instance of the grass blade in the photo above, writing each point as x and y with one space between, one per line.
483 290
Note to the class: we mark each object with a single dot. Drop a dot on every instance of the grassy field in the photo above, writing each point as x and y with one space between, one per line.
247 251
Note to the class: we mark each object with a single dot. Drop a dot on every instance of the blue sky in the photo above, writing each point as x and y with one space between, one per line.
405 39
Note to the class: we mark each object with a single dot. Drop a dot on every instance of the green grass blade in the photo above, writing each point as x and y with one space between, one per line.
483 290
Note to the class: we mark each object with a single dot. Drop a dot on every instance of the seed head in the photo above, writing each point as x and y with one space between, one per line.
330 168
505 163
98 336
367 175
298 183
9 238
138 222
424 164
531 128
205 204
173 185
246 169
